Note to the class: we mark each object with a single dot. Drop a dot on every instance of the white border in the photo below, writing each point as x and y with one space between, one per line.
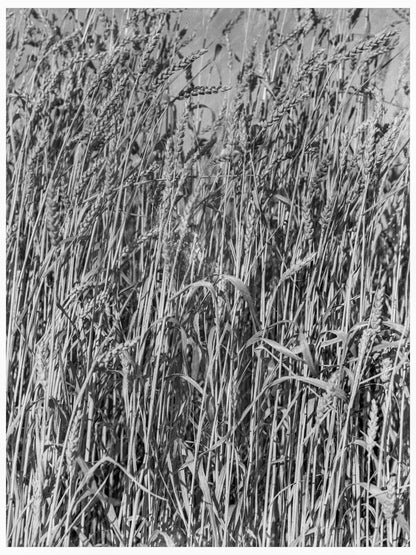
242 4
179 4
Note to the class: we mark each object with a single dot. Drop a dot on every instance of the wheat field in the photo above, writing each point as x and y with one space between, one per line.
207 279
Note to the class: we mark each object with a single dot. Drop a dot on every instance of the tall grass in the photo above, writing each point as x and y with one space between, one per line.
208 333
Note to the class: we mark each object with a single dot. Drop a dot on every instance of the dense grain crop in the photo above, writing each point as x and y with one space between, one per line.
207 279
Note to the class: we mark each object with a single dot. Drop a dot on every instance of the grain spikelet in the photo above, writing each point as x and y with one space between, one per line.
376 311
372 425
298 266
182 64
41 361
249 229
366 337
389 502
307 218
326 401
72 446
327 211
196 250
37 498
320 175
386 371
52 215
